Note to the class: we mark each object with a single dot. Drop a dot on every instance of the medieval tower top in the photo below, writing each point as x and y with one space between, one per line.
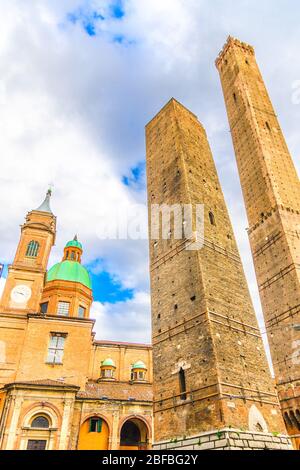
233 43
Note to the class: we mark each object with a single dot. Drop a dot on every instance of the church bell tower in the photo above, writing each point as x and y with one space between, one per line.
26 276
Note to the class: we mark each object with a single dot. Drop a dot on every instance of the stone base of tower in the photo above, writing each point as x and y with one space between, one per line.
228 439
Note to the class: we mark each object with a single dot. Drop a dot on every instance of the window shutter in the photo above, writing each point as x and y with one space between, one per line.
99 425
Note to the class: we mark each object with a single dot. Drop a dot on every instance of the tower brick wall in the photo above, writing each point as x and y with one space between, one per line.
204 325
272 197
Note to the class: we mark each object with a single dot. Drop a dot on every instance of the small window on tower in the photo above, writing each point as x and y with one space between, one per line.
44 307
81 311
182 384
212 218
268 126
32 249
234 97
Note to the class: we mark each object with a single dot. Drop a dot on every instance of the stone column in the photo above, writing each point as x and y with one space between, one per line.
12 431
115 438
66 422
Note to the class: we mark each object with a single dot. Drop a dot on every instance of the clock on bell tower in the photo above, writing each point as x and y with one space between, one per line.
26 276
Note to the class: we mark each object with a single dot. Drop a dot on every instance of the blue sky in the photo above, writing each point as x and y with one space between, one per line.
90 19
79 81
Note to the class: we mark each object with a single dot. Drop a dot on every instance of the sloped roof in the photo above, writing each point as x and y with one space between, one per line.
42 383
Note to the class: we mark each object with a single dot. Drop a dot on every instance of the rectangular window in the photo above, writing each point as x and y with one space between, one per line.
36 444
182 385
44 307
95 425
56 348
81 311
63 309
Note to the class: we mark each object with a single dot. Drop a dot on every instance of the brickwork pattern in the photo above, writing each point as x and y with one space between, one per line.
272 197
202 317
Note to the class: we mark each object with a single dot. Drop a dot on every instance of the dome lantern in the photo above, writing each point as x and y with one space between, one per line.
73 250
68 287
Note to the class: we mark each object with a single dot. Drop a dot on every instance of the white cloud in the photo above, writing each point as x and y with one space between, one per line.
124 321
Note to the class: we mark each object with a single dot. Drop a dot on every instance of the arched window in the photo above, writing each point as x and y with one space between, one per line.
294 420
40 422
287 420
212 218
182 384
32 249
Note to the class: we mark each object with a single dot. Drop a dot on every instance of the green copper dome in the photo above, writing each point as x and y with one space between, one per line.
139 365
69 271
75 243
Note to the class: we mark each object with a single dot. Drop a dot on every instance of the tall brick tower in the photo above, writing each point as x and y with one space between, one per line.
272 196
211 375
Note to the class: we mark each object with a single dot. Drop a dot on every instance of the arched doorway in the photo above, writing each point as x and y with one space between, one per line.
93 434
134 435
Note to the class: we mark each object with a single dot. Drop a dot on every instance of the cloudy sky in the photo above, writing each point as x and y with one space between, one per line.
78 82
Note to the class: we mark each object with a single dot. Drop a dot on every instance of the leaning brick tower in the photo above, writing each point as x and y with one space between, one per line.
272 197
212 384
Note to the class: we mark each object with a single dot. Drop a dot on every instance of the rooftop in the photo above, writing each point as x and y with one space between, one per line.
122 344
41 383
170 102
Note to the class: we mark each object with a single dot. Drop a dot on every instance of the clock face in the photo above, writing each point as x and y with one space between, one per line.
20 294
